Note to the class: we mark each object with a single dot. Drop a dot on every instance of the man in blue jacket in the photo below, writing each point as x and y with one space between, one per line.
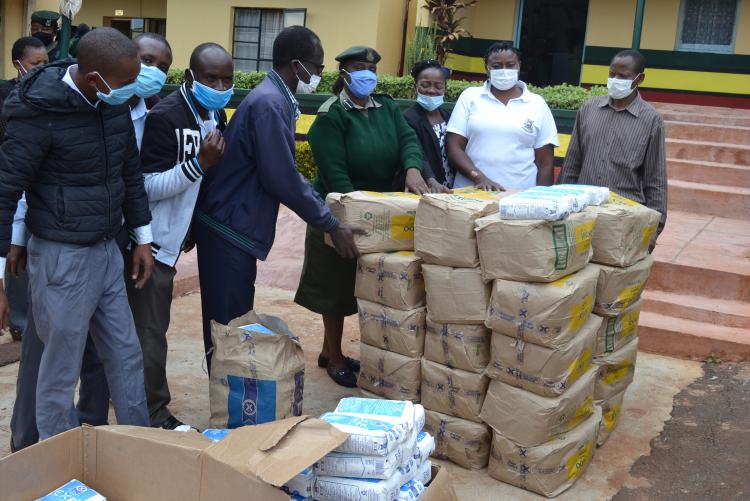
235 218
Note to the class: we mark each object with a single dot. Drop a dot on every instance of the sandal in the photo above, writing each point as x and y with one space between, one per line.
351 364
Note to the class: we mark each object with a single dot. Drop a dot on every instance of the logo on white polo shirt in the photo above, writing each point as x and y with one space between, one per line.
528 125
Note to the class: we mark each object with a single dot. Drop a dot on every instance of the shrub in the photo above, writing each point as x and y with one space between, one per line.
305 162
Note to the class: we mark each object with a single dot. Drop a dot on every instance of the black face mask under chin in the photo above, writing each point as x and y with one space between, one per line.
43 37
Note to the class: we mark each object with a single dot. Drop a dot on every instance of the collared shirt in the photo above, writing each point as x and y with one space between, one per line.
502 139
138 116
623 150
348 103
279 83
68 79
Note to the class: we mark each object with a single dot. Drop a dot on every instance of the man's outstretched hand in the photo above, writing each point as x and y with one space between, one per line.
343 240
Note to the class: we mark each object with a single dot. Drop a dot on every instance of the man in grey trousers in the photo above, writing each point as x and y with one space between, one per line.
71 147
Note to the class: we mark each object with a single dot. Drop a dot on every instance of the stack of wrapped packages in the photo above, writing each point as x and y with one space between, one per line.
389 290
385 458
623 233
536 251
457 344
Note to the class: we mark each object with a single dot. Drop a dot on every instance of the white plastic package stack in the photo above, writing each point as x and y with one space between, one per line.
302 485
598 194
411 490
551 203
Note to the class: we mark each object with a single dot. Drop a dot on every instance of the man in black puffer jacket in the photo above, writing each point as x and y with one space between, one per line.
71 146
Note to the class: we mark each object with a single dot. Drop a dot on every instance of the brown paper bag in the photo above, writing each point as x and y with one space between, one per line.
456 295
453 391
550 468
388 218
540 313
611 408
533 250
623 231
529 419
444 230
616 332
393 279
257 372
466 443
393 330
465 347
615 370
545 371
618 288
388 374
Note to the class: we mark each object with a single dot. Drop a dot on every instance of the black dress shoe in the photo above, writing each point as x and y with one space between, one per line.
351 364
343 377
171 423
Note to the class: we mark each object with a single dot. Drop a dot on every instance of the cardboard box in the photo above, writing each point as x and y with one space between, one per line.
466 443
456 295
618 288
465 347
453 391
611 408
544 314
444 228
393 330
547 469
545 371
623 232
393 279
534 250
529 419
616 332
387 218
389 374
615 370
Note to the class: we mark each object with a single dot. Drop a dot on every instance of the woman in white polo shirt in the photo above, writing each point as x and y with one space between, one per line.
501 135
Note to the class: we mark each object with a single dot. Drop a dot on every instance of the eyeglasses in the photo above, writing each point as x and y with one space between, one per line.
318 67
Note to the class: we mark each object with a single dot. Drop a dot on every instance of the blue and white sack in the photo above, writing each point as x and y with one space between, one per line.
411 491
75 490
257 372
369 437
302 485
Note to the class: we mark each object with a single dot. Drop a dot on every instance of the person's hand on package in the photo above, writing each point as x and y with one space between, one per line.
4 308
343 240
212 150
436 187
143 265
414 182
15 263
482 182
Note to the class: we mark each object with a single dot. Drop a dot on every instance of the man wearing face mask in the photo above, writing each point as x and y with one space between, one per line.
70 139
235 218
44 28
186 126
618 140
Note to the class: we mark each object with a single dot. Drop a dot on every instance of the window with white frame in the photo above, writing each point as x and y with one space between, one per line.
254 33
708 25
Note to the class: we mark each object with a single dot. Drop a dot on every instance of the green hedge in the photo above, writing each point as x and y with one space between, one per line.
564 97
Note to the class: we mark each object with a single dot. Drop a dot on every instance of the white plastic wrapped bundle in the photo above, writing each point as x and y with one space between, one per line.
425 447
578 199
533 206
598 194
424 474
337 464
302 485
399 412
370 437
357 489
411 491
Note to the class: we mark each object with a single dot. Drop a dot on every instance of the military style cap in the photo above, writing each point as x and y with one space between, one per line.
359 53
46 18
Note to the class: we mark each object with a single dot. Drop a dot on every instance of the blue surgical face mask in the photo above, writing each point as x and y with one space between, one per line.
429 103
363 83
150 81
210 99
115 96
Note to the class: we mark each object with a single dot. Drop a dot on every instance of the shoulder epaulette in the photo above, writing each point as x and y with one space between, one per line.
325 107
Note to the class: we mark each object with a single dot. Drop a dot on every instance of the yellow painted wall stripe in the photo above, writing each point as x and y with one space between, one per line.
465 64
659 78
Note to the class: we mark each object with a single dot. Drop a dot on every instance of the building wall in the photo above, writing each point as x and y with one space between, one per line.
93 12
390 34
12 28
742 44
492 19
610 23
660 20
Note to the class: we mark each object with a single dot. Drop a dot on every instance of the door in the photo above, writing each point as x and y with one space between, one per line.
552 36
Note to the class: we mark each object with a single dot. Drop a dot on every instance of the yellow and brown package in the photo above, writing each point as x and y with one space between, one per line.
393 279
466 443
611 408
615 370
393 330
387 218
529 419
623 231
389 374
545 371
533 250
453 391
465 347
616 332
547 469
456 295
547 314
444 229
618 288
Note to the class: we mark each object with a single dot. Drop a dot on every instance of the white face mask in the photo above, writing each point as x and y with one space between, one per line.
307 88
620 88
503 79
23 71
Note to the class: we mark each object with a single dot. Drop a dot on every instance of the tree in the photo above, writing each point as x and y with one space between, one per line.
449 26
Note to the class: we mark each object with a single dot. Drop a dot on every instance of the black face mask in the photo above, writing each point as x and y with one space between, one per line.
44 37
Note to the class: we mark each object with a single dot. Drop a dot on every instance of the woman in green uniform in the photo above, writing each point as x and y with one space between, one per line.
360 141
